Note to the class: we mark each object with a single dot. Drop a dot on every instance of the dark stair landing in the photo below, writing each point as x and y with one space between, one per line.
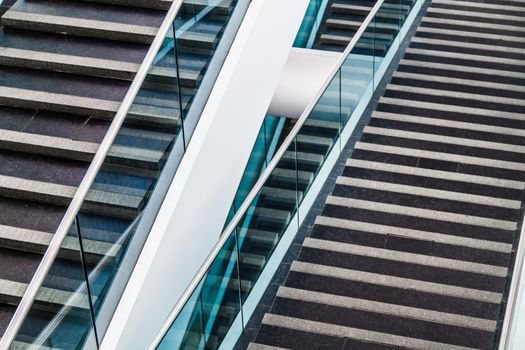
414 248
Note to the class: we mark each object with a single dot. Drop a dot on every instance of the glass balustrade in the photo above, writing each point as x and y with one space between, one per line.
249 242
80 293
310 24
263 150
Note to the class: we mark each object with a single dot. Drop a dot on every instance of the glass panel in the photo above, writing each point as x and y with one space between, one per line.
111 218
213 307
357 73
61 317
199 27
318 135
267 218
310 24
262 153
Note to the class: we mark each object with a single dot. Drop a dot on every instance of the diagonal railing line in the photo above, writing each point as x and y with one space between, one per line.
259 184
74 207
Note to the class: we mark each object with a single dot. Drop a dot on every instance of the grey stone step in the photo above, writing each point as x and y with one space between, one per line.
47 145
453 68
472 25
422 213
428 192
23 98
315 140
456 94
79 27
254 346
303 158
444 139
325 124
438 174
280 195
262 239
414 234
481 5
441 156
100 29
77 150
273 215
105 203
457 81
154 4
465 58
355 333
470 34
245 285
474 16
452 108
37 242
450 45
90 66
104 109
166 4
222 7
449 123
345 40
47 299
252 260
19 345
386 309
396 282
291 175
350 9
410 258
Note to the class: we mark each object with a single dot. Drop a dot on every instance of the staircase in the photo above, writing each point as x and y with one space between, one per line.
343 18
65 66
296 171
414 247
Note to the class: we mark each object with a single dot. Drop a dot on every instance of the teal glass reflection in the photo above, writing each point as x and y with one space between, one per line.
213 307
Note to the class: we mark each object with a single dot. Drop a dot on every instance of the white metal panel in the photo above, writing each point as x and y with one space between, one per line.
200 196
305 73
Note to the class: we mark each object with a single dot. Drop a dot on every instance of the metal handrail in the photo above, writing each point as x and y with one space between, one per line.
260 183
74 207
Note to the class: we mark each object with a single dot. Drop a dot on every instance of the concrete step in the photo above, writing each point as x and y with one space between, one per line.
101 202
410 258
100 29
79 27
422 213
437 174
47 299
77 150
153 4
90 66
386 308
427 192
104 109
272 215
37 242
262 239
418 235
350 9
252 261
